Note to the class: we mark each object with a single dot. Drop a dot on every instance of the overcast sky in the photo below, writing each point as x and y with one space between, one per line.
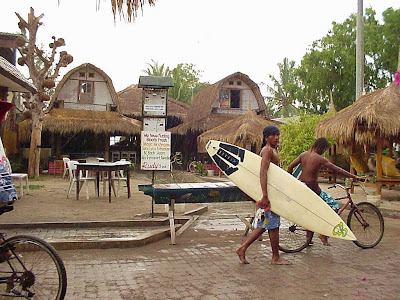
219 37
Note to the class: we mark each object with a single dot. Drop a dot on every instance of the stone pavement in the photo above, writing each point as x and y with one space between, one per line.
139 229
203 264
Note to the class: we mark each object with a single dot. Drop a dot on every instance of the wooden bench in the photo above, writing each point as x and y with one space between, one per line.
326 173
388 181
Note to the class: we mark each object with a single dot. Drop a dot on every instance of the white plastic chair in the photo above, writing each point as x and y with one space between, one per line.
66 167
20 177
119 176
82 179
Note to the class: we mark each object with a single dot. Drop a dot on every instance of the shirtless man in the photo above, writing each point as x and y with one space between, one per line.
269 221
311 161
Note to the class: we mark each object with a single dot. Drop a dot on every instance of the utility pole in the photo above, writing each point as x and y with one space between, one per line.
360 51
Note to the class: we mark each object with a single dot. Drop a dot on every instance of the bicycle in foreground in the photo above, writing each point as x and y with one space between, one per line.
30 268
364 219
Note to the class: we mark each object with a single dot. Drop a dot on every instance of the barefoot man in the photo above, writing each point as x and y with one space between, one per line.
311 161
268 219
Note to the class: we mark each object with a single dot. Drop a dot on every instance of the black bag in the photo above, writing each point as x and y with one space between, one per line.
8 194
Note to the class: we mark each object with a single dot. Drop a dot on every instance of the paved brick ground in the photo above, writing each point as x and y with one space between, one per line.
203 265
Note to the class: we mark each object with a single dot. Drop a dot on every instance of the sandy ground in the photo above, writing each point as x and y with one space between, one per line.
50 203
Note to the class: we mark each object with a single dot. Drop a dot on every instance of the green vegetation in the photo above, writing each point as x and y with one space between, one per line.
185 77
298 136
32 187
327 70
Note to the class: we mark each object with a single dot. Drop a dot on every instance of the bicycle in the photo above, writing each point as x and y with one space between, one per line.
30 267
364 219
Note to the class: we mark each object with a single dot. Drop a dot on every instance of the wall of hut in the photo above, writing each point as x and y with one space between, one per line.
235 97
87 90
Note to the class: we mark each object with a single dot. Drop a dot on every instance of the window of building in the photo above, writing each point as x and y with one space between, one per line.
91 75
239 83
224 94
86 92
235 99
230 82
81 74
86 88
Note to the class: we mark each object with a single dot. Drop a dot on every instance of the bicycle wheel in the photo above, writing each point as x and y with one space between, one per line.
368 227
35 269
292 237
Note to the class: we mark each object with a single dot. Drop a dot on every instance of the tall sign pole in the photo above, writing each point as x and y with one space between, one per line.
360 51
155 140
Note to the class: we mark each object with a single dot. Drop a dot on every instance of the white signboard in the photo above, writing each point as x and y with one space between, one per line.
156 150
155 103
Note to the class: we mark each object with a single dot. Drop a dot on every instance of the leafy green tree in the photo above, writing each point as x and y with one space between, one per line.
297 136
328 68
285 90
185 77
387 52
186 81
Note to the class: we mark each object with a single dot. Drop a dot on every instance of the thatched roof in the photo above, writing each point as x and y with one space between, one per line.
203 101
203 124
86 67
64 121
130 103
239 131
201 116
374 114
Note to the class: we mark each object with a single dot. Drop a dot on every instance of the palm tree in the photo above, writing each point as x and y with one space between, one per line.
128 8
285 90
155 69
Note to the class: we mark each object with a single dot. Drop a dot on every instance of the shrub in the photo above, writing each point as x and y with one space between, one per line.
298 136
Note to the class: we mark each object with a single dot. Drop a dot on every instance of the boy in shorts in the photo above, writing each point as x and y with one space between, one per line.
311 161
265 219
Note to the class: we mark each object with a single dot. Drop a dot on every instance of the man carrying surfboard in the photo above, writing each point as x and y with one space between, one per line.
267 220
311 161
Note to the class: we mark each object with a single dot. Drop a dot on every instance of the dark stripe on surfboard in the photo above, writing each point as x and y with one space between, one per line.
233 149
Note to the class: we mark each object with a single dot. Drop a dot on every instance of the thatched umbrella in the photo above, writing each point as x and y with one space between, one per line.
241 131
374 114
373 118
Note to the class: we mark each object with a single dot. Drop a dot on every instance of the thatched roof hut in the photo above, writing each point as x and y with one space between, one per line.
130 104
372 115
72 91
241 131
64 121
372 120
210 109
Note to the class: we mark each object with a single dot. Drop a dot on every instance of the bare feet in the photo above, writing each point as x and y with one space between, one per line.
242 255
280 261
324 239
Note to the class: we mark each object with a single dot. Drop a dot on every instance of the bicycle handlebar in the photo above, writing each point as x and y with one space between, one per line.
351 184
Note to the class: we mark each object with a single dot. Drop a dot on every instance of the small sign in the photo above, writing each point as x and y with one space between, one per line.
154 124
155 103
156 150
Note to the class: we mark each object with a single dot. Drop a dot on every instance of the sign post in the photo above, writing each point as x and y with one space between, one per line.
155 141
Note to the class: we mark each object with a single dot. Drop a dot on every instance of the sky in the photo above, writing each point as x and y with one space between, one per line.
219 37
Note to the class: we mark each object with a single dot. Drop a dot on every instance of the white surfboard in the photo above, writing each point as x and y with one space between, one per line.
289 197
